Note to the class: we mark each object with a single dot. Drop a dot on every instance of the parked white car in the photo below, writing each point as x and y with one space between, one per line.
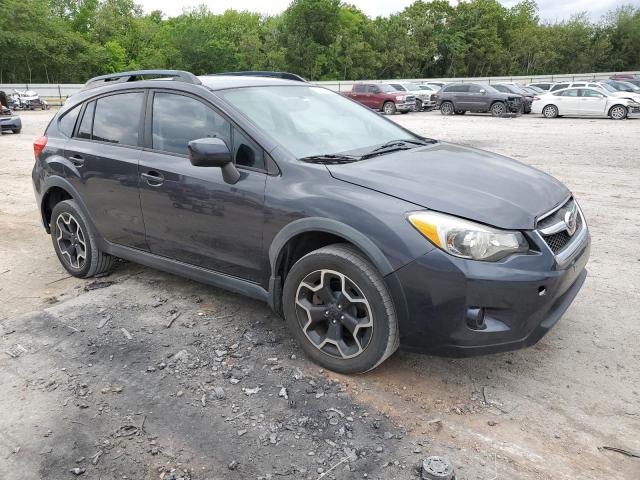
605 87
422 97
583 102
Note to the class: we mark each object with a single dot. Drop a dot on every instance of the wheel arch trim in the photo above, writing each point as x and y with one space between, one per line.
59 182
326 225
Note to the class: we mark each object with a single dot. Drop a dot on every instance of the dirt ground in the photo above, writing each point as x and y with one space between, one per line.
92 379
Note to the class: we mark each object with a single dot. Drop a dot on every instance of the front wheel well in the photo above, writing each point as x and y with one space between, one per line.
53 196
296 248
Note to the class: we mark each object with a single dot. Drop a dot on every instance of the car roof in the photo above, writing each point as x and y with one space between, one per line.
222 82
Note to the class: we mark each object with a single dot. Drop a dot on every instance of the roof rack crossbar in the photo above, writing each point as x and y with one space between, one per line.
134 75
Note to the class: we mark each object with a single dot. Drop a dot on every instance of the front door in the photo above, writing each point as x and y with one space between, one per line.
103 157
191 214
592 102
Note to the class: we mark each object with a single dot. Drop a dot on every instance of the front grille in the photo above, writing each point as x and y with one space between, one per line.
557 241
553 229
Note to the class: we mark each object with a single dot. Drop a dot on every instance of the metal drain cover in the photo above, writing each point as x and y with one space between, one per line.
437 468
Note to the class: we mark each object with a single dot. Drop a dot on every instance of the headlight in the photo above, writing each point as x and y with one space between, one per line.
466 239
401 98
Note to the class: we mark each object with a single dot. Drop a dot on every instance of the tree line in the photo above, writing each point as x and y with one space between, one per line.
68 41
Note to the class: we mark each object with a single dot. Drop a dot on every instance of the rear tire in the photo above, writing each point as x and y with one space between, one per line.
550 111
618 112
446 108
339 310
389 108
75 243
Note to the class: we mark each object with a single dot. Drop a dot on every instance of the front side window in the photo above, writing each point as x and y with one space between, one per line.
360 89
478 89
309 120
117 118
587 92
178 119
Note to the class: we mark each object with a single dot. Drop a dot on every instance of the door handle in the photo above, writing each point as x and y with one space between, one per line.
77 160
153 178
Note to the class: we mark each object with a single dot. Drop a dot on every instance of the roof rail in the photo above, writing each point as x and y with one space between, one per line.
262 73
137 75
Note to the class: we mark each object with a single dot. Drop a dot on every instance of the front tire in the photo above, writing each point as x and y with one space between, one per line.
389 108
460 112
16 130
498 109
75 243
618 112
339 310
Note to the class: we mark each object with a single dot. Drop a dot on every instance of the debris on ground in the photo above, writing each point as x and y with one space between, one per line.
96 285
437 468
622 451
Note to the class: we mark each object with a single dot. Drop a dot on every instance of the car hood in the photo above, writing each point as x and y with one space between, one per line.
461 181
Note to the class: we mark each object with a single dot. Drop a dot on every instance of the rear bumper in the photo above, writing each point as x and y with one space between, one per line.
522 298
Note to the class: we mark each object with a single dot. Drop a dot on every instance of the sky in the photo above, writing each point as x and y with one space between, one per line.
549 9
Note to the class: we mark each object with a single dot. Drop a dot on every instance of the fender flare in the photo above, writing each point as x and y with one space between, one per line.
60 182
334 227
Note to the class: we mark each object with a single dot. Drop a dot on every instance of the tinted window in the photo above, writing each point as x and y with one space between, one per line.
360 88
117 118
569 93
397 86
84 131
178 119
559 86
586 92
457 88
373 89
245 152
68 121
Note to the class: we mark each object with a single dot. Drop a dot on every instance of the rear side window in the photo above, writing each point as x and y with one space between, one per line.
117 118
178 119
84 131
559 86
569 93
68 121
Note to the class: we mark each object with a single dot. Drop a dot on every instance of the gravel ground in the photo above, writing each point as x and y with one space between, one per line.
93 379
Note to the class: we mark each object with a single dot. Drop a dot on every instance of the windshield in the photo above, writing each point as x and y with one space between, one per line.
387 88
608 87
411 86
310 120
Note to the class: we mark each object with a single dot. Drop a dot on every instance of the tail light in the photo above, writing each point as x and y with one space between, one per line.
39 144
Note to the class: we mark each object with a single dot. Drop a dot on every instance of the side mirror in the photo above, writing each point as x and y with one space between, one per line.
213 152
483 91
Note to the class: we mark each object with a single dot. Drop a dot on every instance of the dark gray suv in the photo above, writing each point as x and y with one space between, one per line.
460 98
362 234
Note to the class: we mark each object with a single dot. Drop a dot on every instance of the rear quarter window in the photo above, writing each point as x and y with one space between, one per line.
67 121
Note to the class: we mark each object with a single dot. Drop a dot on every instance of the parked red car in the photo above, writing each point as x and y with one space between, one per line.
380 96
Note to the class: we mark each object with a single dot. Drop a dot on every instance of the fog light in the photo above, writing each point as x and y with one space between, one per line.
475 318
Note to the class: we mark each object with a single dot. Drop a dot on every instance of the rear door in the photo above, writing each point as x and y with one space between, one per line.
569 101
191 214
103 155
460 94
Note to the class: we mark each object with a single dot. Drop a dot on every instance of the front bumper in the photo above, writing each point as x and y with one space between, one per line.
10 123
405 107
523 297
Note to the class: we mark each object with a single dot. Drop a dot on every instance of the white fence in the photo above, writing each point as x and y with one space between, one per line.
58 92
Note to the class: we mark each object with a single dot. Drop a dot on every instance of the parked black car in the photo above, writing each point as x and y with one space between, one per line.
526 97
459 98
9 122
362 234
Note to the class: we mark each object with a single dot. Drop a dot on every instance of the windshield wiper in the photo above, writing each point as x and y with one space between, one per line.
394 145
331 158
